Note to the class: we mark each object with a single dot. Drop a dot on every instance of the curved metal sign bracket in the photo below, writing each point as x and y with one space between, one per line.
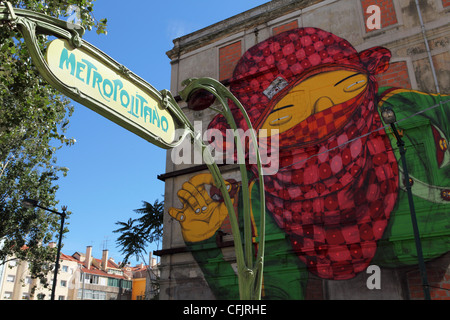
250 268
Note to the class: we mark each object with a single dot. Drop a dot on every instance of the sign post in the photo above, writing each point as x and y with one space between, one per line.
89 76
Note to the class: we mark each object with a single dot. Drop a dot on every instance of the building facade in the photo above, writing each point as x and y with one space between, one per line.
338 220
80 277
17 283
145 281
101 279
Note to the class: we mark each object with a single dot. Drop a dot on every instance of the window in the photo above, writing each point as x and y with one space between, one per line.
61 298
113 271
113 282
10 278
7 296
90 278
126 284
285 27
25 296
12 263
397 75
88 294
63 283
388 15
91 295
65 269
228 58
94 279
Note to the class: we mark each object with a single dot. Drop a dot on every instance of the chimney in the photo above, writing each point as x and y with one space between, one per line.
105 260
152 261
88 258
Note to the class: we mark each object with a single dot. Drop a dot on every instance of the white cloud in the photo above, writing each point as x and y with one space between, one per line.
179 28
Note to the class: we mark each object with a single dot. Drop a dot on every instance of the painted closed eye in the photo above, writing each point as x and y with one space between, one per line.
353 82
281 121
356 85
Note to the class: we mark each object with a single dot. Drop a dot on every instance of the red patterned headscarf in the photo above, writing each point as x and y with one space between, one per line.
337 182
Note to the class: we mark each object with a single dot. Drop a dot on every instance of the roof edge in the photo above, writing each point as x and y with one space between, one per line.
245 20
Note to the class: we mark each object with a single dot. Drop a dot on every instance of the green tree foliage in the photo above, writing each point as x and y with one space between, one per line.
33 121
137 234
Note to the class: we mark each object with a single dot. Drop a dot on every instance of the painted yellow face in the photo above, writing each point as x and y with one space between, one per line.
313 95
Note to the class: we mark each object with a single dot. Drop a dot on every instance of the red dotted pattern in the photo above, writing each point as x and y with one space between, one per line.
335 191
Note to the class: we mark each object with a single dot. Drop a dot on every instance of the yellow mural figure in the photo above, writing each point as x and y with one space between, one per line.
201 216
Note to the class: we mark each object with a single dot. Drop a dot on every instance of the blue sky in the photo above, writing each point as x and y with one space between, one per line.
111 170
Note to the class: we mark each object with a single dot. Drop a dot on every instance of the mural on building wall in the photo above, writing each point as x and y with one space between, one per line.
337 203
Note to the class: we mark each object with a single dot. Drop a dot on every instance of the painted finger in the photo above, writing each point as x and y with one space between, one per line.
178 214
199 194
187 197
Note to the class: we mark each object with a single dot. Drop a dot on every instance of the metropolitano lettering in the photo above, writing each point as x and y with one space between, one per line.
112 90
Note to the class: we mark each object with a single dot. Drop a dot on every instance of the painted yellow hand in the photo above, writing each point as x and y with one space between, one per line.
201 215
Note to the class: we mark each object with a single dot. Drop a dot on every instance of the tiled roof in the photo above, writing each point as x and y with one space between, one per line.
68 258
94 269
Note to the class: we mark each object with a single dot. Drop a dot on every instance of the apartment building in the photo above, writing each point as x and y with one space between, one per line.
145 281
80 277
101 279
16 282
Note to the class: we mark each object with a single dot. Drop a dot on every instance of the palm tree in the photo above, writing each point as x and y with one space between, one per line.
151 223
138 233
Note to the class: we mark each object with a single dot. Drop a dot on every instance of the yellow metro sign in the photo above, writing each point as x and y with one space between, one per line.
111 92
